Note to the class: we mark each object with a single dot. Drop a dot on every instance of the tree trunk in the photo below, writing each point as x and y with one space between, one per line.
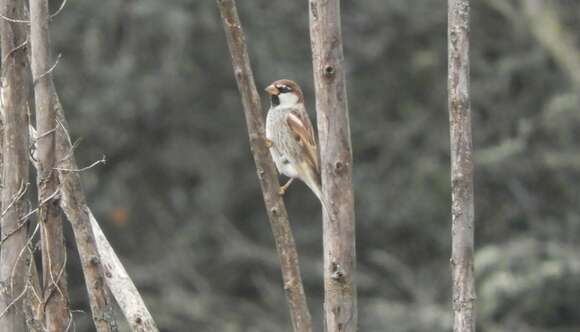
462 225
340 302
55 293
15 169
267 174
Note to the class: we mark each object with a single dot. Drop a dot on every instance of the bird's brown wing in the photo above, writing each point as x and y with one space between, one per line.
301 126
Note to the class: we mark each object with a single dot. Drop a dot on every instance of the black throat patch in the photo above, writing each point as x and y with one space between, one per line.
275 100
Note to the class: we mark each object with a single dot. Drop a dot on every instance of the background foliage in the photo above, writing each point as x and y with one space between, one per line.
149 84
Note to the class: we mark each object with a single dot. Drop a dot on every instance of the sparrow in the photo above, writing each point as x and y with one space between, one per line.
290 137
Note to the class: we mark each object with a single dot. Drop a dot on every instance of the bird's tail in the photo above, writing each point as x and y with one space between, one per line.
312 180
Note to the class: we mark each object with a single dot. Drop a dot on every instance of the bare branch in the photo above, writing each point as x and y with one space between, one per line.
461 167
267 174
121 285
340 296
32 302
62 4
47 72
44 202
12 232
17 197
13 303
98 162
20 254
13 20
9 54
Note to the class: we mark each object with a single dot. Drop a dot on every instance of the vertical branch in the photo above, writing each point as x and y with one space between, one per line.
1 145
55 292
340 304
462 226
267 174
15 168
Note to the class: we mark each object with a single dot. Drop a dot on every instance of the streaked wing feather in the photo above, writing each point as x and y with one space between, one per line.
301 126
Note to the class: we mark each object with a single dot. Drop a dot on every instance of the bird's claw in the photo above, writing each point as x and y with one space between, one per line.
282 190
269 143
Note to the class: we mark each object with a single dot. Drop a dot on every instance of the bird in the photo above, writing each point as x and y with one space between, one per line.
290 137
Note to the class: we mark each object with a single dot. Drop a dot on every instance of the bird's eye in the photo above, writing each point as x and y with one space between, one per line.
284 88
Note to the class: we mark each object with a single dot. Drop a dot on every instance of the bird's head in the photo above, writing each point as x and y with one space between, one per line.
285 93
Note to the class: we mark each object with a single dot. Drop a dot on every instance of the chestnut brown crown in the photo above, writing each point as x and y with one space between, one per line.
285 86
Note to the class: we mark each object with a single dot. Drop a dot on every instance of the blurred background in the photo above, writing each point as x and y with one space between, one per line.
149 84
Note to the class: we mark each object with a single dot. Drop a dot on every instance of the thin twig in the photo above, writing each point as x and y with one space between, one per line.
49 270
13 20
66 133
45 134
16 299
21 191
73 147
12 232
46 200
50 70
12 51
28 241
32 318
100 161
62 4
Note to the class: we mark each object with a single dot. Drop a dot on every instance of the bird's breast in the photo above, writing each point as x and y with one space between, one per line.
284 150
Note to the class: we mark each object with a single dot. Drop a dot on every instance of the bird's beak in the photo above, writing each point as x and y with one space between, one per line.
272 90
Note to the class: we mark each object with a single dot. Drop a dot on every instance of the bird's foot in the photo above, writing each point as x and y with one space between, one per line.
269 143
282 190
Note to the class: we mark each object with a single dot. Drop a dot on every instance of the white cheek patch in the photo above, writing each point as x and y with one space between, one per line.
288 99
